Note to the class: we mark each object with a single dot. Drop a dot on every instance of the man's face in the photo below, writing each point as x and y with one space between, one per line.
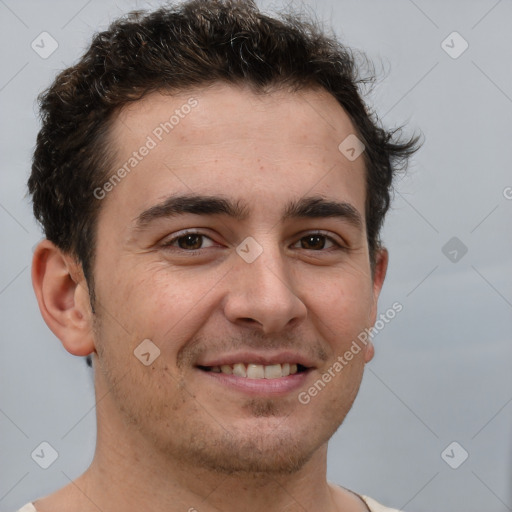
182 273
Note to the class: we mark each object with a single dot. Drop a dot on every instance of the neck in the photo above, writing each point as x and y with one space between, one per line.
134 477
129 473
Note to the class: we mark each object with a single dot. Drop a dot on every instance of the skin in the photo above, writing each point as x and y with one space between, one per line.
171 437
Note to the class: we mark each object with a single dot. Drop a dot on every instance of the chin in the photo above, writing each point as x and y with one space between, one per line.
262 445
262 454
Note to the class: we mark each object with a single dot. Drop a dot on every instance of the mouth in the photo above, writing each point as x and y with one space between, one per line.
257 371
258 375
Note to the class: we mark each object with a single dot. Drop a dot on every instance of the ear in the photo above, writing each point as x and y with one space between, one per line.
379 274
63 298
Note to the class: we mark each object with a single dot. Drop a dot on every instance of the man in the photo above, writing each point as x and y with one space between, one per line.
212 187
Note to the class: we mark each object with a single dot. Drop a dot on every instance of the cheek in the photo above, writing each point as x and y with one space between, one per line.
343 307
164 305
343 293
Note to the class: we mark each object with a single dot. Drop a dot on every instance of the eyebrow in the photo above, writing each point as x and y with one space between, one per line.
195 204
319 207
306 207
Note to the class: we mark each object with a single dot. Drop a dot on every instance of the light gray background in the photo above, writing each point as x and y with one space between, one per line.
442 366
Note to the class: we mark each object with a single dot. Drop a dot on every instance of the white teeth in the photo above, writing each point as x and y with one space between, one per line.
256 371
273 371
239 370
225 368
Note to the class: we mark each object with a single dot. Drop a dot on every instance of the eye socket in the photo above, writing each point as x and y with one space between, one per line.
190 242
316 242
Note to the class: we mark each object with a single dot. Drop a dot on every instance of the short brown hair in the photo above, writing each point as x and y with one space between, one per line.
188 45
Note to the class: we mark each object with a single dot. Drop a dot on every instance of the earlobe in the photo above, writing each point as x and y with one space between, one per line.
369 351
63 298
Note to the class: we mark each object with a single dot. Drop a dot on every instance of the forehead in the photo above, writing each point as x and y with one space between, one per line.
226 139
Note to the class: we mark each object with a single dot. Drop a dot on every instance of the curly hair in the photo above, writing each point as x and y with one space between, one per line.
175 48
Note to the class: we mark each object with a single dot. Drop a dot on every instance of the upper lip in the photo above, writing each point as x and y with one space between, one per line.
265 359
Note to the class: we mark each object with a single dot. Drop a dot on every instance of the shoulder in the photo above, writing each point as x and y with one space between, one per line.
29 507
371 504
375 506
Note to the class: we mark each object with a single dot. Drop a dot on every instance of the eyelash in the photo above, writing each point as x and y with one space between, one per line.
328 238
169 243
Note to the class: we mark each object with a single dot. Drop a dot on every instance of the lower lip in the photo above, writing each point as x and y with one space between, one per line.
279 386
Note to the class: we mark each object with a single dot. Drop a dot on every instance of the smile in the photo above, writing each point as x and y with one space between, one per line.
256 371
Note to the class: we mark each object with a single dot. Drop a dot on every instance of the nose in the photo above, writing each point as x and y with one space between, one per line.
262 295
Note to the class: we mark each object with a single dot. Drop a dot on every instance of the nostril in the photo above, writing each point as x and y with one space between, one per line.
248 320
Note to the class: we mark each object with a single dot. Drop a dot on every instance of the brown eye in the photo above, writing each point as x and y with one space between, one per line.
190 242
313 242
